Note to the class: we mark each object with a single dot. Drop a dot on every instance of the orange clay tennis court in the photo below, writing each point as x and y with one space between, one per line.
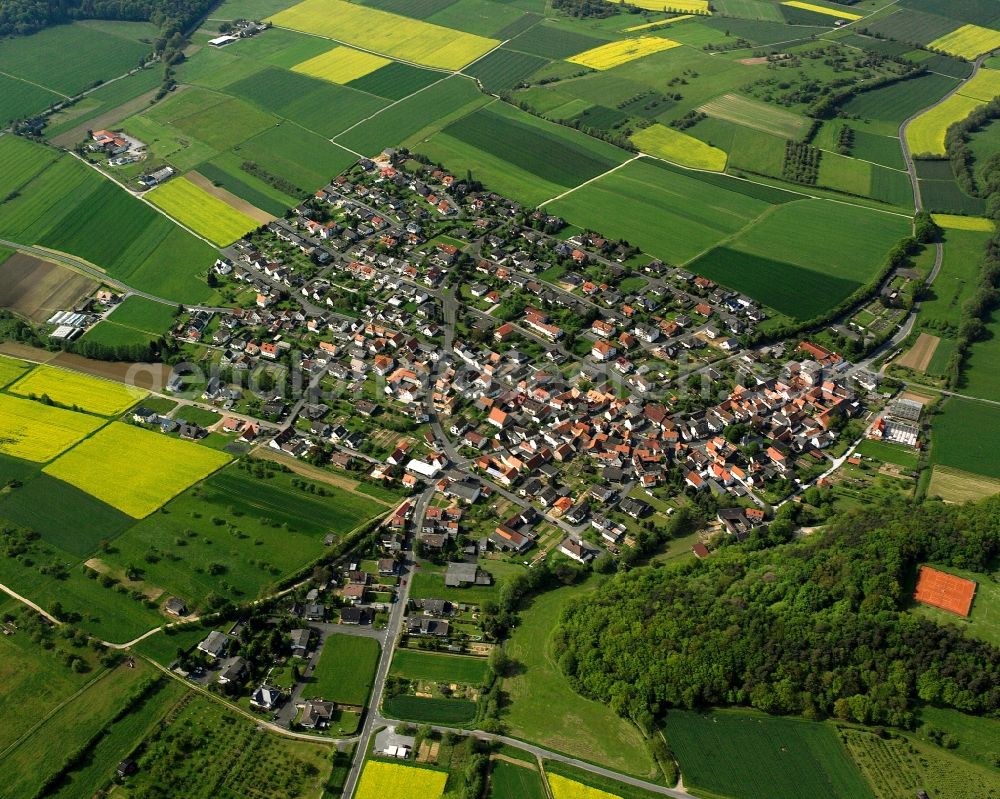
945 591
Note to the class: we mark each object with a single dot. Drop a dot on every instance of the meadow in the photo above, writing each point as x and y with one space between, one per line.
137 312
380 779
77 390
504 69
298 156
901 765
736 753
19 99
672 145
412 664
509 781
38 432
395 81
232 758
20 161
11 369
980 376
55 736
260 529
345 670
890 453
383 32
545 709
756 115
941 310
105 467
198 210
965 435
882 110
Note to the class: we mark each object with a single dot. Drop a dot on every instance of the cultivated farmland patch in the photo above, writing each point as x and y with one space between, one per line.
76 389
36 289
379 780
37 432
341 65
204 213
105 466
967 42
760 116
613 54
672 145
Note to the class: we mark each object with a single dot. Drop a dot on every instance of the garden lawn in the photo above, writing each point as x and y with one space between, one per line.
753 756
345 671
546 710
38 432
198 210
380 780
106 467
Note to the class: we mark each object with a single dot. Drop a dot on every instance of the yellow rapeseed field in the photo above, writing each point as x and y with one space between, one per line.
76 389
133 469
206 215
969 41
381 780
665 142
341 65
831 12
614 54
563 788
925 134
11 369
956 222
37 432
983 87
683 6
384 32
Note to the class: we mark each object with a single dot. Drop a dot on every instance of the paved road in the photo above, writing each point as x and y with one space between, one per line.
547 754
393 629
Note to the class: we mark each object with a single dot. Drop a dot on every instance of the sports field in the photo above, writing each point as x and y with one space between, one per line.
753 756
816 9
38 432
383 32
341 65
967 42
345 671
206 215
75 389
982 590
614 54
380 780
672 145
945 591
105 466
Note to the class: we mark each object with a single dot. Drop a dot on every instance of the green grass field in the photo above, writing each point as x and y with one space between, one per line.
428 583
965 435
889 453
345 670
145 315
884 109
20 161
736 753
430 711
976 734
545 709
303 158
395 81
508 781
504 69
417 665
956 282
980 376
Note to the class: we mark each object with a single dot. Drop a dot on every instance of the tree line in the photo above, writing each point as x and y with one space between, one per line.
818 627
21 17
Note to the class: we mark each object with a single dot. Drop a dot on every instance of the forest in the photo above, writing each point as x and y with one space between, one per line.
817 627
21 17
